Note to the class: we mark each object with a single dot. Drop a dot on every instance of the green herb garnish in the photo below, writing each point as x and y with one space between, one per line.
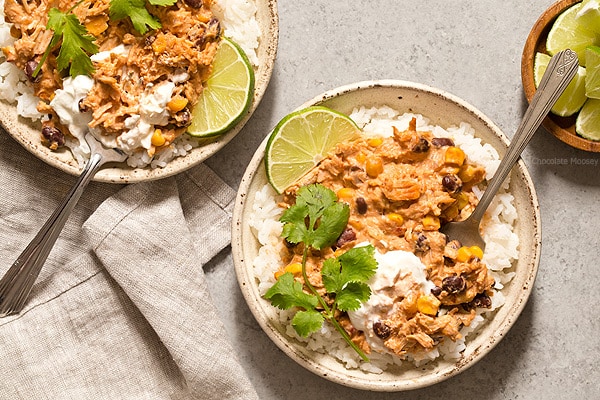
76 45
136 10
317 220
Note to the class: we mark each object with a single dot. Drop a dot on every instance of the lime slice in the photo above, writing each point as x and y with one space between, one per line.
568 33
301 140
572 98
592 76
589 15
588 120
227 93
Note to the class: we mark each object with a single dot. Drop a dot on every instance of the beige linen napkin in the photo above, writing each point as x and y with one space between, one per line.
121 309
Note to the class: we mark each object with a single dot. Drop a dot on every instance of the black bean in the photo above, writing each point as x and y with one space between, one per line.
381 329
149 40
451 183
30 67
422 244
53 135
442 141
361 205
436 291
422 146
453 284
183 118
346 237
194 3
82 107
481 300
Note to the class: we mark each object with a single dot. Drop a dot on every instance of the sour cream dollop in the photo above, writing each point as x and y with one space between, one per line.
66 105
398 272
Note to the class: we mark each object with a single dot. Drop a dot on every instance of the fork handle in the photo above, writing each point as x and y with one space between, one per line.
16 284
559 73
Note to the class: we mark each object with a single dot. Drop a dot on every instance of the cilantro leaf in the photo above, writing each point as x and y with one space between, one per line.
76 45
352 296
358 264
163 3
294 228
287 293
136 10
307 322
317 219
331 225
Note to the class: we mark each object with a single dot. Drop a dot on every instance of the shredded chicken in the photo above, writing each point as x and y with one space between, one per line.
401 190
181 51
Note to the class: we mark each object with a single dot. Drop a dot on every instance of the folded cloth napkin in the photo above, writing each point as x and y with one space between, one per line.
121 309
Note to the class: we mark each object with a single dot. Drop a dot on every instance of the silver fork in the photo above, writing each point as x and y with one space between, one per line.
17 282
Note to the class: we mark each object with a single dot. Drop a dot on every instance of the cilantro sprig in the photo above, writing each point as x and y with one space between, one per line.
77 44
317 220
136 10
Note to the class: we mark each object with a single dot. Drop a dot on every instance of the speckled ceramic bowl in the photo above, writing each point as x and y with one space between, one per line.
28 134
561 127
444 110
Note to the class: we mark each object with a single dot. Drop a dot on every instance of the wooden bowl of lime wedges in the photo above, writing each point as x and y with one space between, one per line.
574 24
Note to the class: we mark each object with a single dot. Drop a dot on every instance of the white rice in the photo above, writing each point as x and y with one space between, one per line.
238 19
500 253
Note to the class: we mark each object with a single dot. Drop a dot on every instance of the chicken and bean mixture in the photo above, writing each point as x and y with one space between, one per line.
175 58
401 190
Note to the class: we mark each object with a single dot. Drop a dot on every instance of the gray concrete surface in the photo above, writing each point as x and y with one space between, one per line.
471 49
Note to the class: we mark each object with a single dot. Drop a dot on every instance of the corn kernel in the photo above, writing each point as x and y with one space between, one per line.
428 304
160 44
361 158
374 142
278 273
454 156
397 218
374 166
431 223
356 224
476 251
157 138
96 25
177 104
462 200
464 254
467 173
345 193
294 268
451 212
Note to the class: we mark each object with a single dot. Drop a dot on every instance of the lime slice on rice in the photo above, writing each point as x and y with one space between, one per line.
592 75
568 33
588 120
227 93
572 99
301 140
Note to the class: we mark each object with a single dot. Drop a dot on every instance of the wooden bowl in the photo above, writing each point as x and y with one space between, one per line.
561 127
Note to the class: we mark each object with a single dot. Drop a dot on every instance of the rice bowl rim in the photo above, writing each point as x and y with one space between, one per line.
528 228
27 133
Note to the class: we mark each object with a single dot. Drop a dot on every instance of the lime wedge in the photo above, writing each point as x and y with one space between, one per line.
227 93
568 33
588 120
572 98
592 76
589 15
301 140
